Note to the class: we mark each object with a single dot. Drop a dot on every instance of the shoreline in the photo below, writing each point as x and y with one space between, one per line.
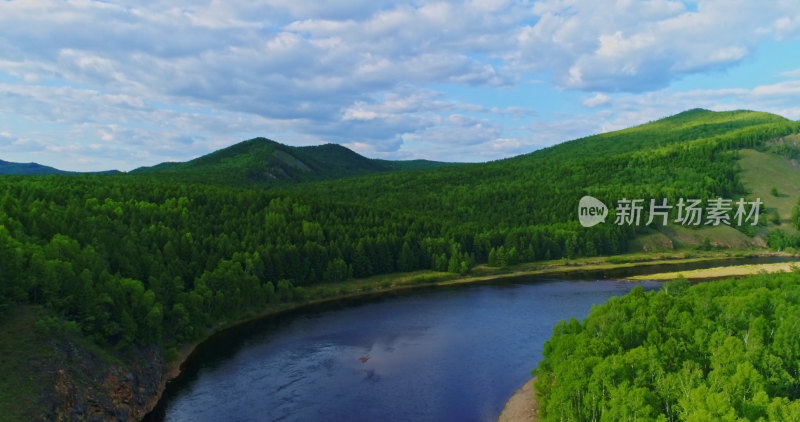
399 283
720 272
522 406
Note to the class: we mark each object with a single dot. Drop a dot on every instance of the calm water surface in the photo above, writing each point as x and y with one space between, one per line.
452 354
441 355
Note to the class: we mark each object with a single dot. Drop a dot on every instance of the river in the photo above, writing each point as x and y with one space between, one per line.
444 354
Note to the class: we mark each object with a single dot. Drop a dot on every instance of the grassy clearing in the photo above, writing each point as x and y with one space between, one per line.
630 260
762 171
721 236
652 242
720 272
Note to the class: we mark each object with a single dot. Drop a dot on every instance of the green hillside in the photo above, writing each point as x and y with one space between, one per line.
7 167
695 154
264 162
762 171
691 125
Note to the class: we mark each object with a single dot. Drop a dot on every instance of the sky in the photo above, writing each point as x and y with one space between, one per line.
97 85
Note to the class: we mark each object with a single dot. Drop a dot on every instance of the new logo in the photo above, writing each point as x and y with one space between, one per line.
591 211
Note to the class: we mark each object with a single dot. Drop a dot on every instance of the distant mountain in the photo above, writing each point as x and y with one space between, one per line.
262 161
7 167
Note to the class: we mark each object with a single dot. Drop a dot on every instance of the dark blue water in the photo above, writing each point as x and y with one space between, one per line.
444 354
438 355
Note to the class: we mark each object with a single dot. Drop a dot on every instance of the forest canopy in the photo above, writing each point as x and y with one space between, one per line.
722 351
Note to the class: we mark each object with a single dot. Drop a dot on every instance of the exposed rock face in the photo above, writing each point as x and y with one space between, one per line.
90 388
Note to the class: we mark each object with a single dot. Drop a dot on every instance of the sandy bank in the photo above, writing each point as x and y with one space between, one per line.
521 406
720 272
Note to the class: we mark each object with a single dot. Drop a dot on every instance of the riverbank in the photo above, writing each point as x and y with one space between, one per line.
522 406
720 272
387 284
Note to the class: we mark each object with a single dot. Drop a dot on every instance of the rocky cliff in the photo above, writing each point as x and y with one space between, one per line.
88 386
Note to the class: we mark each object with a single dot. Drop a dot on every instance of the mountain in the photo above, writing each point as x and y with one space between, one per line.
7 167
261 161
694 154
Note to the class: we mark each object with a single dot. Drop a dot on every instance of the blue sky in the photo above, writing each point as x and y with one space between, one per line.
89 85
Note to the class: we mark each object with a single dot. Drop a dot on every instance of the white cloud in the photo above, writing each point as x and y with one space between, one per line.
174 79
795 73
611 45
597 100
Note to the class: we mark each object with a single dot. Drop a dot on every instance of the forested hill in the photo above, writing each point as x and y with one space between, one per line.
735 127
263 162
7 167
133 261
692 154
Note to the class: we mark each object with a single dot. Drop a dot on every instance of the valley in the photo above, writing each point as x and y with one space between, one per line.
135 268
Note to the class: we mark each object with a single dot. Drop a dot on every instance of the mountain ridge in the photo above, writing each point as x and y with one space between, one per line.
12 168
691 154
8 167
262 161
